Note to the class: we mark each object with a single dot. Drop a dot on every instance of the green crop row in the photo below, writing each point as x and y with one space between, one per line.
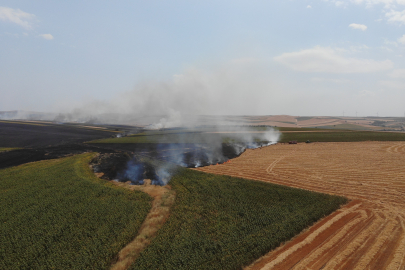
56 214
343 136
221 222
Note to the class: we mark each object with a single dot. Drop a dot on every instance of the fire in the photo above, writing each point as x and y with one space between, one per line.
228 161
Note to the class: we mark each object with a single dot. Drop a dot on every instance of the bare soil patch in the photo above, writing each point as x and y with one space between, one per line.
368 233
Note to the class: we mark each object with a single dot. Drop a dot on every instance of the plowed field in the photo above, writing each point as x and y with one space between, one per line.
368 233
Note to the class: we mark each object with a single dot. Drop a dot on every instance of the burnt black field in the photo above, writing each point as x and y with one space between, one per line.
31 135
136 162
21 156
41 141
51 141
189 155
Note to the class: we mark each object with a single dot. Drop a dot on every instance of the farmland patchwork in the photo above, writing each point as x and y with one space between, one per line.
368 233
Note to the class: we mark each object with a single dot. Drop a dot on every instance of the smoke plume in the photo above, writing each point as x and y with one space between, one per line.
227 143
194 100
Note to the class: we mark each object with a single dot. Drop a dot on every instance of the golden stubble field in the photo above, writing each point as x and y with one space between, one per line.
368 233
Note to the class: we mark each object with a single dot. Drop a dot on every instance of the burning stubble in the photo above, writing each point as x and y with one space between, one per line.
160 162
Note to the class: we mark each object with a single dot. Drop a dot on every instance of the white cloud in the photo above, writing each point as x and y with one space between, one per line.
396 16
390 43
361 27
402 40
339 3
309 6
391 8
386 49
329 60
17 16
397 74
359 48
386 3
47 36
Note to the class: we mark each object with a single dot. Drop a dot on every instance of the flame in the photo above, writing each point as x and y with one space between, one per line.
228 161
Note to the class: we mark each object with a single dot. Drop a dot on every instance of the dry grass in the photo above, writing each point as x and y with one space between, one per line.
164 198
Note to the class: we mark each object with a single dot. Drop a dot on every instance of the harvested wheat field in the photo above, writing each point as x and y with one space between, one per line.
368 233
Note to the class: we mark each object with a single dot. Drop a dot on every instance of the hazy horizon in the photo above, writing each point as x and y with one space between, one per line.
302 58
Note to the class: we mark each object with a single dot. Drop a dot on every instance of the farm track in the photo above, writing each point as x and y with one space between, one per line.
368 233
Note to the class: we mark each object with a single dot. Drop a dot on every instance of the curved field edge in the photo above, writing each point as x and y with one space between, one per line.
222 222
57 214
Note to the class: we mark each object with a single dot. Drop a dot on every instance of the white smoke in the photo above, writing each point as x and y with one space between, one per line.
236 88
173 119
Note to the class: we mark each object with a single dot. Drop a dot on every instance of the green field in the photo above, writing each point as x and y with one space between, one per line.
162 138
184 137
57 215
221 222
288 134
4 149
342 136
346 127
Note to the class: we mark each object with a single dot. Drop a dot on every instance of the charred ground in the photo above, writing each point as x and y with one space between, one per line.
41 134
136 162
126 146
43 140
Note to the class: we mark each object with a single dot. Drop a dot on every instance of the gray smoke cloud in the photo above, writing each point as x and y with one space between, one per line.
232 89
215 145
195 99
238 87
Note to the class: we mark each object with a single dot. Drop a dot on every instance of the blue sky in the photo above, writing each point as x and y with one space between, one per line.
292 57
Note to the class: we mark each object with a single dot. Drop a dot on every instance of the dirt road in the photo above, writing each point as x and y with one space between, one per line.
368 233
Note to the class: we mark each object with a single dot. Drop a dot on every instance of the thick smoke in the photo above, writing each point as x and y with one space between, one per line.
236 88
190 101
181 100
217 146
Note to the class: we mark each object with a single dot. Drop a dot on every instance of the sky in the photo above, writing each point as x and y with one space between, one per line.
295 57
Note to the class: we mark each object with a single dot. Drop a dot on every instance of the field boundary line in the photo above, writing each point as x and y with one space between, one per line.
399 254
280 258
163 199
372 250
333 239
